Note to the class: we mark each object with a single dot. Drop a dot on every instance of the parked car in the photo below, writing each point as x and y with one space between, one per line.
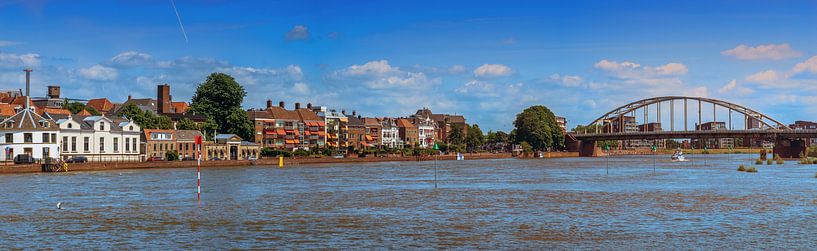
155 159
77 159
188 158
23 159
252 158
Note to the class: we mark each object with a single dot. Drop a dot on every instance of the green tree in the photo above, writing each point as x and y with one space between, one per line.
456 135
475 137
537 126
92 111
186 124
171 155
146 120
526 148
219 98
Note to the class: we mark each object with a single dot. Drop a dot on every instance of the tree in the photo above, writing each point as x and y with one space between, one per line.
526 148
537 126
77 107
475 138
456 135
171 155
219 98
145 119
186 124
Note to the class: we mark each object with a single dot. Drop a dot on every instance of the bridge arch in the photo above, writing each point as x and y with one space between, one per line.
619 112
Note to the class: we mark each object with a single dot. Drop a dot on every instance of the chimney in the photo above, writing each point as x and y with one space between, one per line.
297 105
343 112
53 91
354 113
269 103
28 85
309 106
281 104
129 97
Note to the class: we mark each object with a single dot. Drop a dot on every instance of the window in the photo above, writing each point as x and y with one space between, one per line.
9 138
73 144
102 126
46 137
115 145
28 138
46 151
101 144
127 145
130 128
134 145
86 144
70 125
154 147
65 143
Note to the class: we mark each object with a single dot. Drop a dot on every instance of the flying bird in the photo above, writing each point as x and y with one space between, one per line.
59 205
179 18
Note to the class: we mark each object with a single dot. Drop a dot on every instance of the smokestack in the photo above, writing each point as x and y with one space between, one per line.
281 104
28 86
309 105
297 105
269 103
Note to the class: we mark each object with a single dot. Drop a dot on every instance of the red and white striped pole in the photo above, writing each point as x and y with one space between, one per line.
198 170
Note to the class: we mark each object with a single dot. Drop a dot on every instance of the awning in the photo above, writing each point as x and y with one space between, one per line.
321 123
270 132
369 138
321 133
307 133
290 141
313 123
280 131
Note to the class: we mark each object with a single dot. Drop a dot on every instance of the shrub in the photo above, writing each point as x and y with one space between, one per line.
301 152
705 151
768 161
171 155
813 161
271 152
751 170
779 161
758 162
805 160
741 168
737 152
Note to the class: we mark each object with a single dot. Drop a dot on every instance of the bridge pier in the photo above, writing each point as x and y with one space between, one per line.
789 148
589 148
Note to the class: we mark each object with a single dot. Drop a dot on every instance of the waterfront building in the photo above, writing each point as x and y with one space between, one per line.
408 133
372 137
232 147
336 128
562 122
277 127
157 142
444 123
719 143
185 141
390 133
51 100
805 125
312 128
425 128
357 131
28 133
99 138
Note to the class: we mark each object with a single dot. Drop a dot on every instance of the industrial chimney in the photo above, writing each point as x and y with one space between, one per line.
28 87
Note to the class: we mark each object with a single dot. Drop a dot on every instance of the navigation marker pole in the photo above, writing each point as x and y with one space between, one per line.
654 149
607 158
435 165
198 170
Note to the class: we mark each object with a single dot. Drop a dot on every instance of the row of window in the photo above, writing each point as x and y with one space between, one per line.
29 138
130 144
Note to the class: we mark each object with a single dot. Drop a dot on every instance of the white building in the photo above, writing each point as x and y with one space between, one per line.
390 134
425 128
100 138
29 133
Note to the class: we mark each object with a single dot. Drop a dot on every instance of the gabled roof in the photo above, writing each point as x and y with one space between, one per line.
405 123
371 122
53 111
84 113
259 114
187 135
281 113
27 120
18 100
7 110
307 115
354 121
101 104
179 107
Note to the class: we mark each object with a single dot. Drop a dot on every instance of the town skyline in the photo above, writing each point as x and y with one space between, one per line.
486 61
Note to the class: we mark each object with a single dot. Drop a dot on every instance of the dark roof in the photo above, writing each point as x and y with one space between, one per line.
259 114
281 113
187 135
405 123
354 121
307 115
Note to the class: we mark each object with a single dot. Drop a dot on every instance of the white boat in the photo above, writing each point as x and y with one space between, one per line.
678 156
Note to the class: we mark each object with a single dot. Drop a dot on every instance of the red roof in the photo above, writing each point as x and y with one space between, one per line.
7 110
180 107
54 111
101 104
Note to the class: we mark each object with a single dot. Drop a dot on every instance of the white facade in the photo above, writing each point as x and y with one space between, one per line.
100 139
426 132
391 137
28 133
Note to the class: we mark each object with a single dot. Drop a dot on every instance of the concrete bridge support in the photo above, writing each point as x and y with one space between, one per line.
789 148
589 148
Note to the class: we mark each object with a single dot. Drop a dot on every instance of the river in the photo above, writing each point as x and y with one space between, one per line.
566 203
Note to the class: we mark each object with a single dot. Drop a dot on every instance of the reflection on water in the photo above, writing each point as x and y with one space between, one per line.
487 204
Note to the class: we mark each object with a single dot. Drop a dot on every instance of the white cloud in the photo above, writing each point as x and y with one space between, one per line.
372 68
99 72
630 70
477 87
8 60
810 65
765 77
763 52
456 69
300 88
733 87
700 91
4 43
492 70
380 74
132 58
566 80
299 32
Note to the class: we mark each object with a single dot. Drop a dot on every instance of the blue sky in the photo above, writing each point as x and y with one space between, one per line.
487 60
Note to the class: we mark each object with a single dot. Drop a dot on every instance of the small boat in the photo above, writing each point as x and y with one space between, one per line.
678 155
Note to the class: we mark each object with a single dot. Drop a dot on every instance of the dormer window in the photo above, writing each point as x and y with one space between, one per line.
70 125
102 126
9 124
130 128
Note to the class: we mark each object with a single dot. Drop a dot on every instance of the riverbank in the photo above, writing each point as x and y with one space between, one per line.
289 161
647 151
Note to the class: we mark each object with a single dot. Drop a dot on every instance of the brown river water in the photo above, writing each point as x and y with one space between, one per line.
568 203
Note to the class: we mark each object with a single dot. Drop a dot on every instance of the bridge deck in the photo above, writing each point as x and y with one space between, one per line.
781 133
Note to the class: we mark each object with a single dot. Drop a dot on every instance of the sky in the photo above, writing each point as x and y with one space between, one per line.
487 60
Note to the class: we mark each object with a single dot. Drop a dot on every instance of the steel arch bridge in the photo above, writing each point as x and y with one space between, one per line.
761 121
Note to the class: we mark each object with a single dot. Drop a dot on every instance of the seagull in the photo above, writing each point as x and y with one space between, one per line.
59 205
